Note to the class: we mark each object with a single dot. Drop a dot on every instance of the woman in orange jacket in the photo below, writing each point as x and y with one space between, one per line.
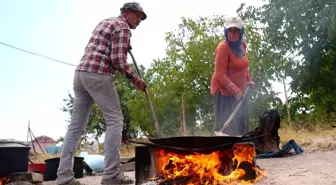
230 79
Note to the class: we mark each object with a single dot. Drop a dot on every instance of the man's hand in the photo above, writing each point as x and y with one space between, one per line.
239 96
250 83
139 83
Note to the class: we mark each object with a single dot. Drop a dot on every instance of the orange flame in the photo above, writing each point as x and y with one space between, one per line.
4 180
207 169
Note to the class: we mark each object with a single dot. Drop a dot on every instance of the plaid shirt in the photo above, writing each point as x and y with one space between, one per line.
107 49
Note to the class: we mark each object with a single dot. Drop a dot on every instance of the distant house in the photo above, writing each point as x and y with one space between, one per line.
44 142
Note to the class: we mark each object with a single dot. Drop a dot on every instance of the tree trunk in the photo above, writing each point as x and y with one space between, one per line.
286 100
98 144
184 121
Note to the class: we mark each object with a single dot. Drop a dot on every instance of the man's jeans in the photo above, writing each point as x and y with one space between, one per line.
90 88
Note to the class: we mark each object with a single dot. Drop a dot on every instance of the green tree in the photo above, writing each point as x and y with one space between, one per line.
305 30
185 74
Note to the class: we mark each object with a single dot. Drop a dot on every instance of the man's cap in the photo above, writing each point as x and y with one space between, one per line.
134 6
235 22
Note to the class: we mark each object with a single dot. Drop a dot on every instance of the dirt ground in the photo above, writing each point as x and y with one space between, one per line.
310 168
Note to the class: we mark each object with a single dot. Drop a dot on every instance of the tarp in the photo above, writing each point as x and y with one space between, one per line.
95 161
54 149
286 148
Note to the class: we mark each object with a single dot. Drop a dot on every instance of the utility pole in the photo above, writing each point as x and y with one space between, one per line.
286 98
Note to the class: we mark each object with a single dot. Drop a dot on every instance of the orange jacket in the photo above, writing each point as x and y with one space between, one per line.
231 73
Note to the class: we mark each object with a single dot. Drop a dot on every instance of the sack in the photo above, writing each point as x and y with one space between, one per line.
269 124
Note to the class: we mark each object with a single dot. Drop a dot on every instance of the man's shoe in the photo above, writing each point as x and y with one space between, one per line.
120 179
74 182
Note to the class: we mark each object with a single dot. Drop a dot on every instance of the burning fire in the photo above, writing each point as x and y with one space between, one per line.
4 180
207 169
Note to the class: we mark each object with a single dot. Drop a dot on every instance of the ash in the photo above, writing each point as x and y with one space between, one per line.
150 183
153 182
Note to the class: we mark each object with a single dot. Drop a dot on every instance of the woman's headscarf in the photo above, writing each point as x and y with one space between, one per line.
237 46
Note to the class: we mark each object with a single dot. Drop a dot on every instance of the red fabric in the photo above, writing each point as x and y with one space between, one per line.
107 49
231 73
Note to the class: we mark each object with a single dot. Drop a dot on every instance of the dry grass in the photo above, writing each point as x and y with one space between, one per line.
287 133
313 139
127 151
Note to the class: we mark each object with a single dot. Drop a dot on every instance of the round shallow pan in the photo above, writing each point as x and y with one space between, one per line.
195 141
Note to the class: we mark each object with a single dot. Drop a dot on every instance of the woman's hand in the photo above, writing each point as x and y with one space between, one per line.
239 96
250 83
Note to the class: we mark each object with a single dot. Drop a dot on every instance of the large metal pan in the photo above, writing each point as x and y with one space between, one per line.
198 143
195 141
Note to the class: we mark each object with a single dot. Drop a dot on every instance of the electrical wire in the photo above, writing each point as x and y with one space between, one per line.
36 54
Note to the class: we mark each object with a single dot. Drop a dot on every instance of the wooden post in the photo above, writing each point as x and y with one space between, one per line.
33 139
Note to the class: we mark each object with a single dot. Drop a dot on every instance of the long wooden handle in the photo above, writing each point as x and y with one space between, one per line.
233 114
156 123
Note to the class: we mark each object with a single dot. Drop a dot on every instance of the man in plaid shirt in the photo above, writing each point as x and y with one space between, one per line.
105 54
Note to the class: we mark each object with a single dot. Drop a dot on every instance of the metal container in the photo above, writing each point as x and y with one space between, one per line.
195 141
14 157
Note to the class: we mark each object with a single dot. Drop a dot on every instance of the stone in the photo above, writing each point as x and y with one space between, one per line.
27 176
20 183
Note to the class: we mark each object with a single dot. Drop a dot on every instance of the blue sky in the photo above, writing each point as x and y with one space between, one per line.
32 88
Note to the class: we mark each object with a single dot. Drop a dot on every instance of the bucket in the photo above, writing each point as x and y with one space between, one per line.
52 167
37 167
14 157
